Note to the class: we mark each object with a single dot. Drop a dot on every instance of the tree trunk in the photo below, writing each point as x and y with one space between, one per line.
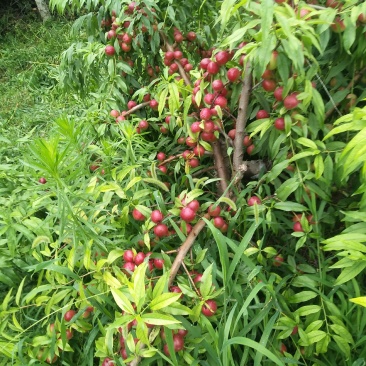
43 9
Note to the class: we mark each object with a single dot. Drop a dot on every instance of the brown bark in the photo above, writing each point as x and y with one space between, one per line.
43 9
220 166
184 248
241 123
136 108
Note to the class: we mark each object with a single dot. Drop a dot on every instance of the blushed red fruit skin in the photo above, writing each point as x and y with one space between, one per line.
159 263
42 180
278 93
178 342
137 215
198 278
218 222
108 362
129 266
213 68
232 133
279 123
182 332
110 50
161 230
177 290
194 205
69 315
262 114
128 255
140 257
247 141
250 149
291 101
187 214
166 350
278 260
161 156
222 57
233 74
214 211
157 216
269 85
254 200
209 308
297 227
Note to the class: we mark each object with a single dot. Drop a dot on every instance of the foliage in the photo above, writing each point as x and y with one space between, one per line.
284 266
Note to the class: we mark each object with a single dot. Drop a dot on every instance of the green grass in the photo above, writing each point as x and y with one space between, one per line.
29 55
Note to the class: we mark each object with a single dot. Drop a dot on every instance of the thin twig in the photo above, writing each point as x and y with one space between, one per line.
349 87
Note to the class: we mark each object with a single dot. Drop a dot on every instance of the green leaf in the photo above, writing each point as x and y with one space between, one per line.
110 280
287 187
307 310
159 319
163 301
142 332
177 309
350 272
307 142
342 344
342 331
319 166
303 155
322 345
19 292
315 336
162 99
161 285
157 183
349 241
206 282
254 345
138 291
289 206
122 301
114 254
302 296
349 34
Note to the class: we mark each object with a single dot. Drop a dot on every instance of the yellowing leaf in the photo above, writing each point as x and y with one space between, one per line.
359 300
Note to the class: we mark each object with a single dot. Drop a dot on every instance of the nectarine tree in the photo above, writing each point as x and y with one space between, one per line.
233 133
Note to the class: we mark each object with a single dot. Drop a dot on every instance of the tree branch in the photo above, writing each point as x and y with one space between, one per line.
220 166
241 122
169 47
43 10
135 108
184 248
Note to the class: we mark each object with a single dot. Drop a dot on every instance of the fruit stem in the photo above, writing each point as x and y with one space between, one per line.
184 248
